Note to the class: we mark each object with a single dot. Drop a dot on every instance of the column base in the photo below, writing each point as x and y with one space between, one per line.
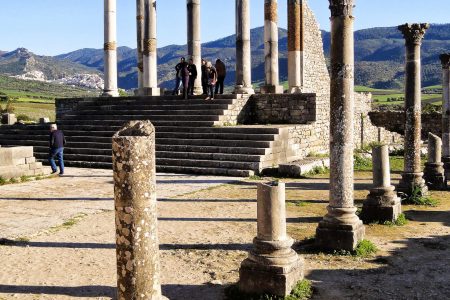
446 161
409 181
146 91
273 267
198 90
434 176
295 90
110 93
381 205
240 89
340 229
272 89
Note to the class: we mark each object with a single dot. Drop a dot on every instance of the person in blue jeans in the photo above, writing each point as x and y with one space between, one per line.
56 143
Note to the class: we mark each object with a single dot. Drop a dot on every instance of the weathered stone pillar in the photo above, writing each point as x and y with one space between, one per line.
243 50
150 58
445 60
341 228
382 204
272 266
412 174
434 168
295 45
140 42
272 84
110 49
193 40
137 247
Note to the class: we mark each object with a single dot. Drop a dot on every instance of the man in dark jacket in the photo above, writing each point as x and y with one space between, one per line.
192 76
56 143
204 77
221 73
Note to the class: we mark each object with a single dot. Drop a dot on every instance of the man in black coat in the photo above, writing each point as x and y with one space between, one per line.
192 76
56 143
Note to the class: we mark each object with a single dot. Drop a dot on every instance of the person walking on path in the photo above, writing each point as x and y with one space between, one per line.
204 77
212 79
192 68
221 74
56 143
182 77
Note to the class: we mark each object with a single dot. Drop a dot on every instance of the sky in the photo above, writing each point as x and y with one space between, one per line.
51 27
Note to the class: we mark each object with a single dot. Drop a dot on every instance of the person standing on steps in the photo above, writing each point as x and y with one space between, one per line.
204 77
212 79
56 143
192 68
182 77
221 74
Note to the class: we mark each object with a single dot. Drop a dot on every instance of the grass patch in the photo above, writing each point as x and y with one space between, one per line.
365 248
22 239
297 203
318 155
401 221
317 170
13 180
416 197
362 163
68 223
303 290
255 177
2 180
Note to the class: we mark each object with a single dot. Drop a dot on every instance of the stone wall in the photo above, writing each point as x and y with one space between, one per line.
19 161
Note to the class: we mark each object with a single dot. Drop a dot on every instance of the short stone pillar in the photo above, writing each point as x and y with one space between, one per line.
272 84
110 50
243 49
137 247
295 45
194 41
140 43
9 119
150 57
341 229
434 169
445 61
382 204
412 175
44 120
272 266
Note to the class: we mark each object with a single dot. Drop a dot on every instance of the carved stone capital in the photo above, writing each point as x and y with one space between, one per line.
110 46
341 8
445 60
414 33
271 10
149 46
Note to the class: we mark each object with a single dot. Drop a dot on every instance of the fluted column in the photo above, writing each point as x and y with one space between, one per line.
341 228
295 43
150 58
243 50
194 41
412 175
445 60
140 42
271 48
110 50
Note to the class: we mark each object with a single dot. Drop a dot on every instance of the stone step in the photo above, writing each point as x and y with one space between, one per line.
189 106
126 118
149 112
209 156
133 102
205 171
119 123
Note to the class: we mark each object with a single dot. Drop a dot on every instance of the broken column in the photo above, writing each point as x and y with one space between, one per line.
272 266
140 43
150 58
445 60
341 228
382 203
110 50
243 50
272 84
412 174
137 247
194 42
434 168
295 43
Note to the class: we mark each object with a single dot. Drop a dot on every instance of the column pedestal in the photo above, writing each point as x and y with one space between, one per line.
272 89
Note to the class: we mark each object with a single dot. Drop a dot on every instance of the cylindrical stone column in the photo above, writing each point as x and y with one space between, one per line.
341 210
150 58
271 48
412 175
140 42
194 41
271 213
295 51
434 168
445 60
110 50
243 49
137 247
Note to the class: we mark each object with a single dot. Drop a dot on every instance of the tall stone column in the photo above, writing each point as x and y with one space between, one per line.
140 42
110 50
194 41
243 50
412 175
137 246
272 84
341 228
445 60
295 45
150 58
434 168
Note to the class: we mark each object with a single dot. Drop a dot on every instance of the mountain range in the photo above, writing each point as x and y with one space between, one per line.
379 58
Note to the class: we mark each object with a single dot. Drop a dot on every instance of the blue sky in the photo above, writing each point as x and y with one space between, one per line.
53 27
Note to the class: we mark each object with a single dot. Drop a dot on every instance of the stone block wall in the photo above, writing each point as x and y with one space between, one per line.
19 161
66 105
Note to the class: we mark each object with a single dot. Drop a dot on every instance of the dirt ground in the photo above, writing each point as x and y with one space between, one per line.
58 240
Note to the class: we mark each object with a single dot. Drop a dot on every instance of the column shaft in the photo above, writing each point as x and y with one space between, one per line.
110 50
243 49
150 56
445 60
194 41
295 67
140 41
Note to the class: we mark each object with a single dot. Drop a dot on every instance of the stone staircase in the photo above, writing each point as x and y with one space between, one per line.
192 136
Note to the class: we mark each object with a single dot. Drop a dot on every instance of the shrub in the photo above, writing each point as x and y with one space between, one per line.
401 221
416 197
365 248
362 163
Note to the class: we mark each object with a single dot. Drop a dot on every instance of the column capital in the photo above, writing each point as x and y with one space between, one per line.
341 8
414 33
445 60
271 10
